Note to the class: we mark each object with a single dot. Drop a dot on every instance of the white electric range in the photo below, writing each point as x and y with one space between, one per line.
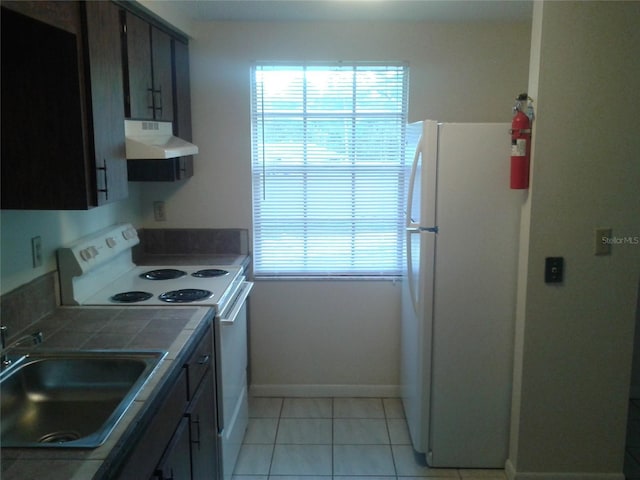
200 285
98 270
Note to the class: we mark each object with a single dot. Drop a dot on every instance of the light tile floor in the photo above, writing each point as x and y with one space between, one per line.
334 438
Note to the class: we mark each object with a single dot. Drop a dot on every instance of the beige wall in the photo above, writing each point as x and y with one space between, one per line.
574 341
55 228
348 331
168 11
458 73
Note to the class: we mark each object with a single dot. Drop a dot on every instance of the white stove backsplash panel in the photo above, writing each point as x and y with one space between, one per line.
95 260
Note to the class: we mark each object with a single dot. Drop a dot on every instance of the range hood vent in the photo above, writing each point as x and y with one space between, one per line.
154 140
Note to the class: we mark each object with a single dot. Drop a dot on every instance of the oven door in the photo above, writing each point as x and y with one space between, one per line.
233 407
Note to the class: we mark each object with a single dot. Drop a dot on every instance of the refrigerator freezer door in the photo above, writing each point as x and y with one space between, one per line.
417 309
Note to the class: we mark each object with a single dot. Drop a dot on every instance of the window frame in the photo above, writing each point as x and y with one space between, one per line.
260 167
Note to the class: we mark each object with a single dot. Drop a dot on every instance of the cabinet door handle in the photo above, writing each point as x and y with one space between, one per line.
204 359
151 99
159 103
104 190
196 441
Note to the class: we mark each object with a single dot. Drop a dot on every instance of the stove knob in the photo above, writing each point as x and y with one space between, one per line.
129 233
93 251
111 242
85 255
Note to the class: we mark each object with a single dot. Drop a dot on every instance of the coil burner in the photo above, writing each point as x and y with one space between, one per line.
163 274
185 295
210 273
131 297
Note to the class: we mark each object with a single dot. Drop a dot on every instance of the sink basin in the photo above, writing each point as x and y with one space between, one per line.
70 399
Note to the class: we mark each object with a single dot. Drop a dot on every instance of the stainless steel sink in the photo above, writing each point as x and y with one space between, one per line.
70 399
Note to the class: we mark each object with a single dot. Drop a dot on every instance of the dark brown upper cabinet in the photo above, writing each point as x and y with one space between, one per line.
107 98
62 106
148 72
173 169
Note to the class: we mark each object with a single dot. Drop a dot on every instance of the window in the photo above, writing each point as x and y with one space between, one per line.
328 168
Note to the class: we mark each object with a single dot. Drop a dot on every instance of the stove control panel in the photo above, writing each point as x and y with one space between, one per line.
93 250
95 260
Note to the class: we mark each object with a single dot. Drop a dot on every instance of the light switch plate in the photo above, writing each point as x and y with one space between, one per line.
603 241
36 251
553 270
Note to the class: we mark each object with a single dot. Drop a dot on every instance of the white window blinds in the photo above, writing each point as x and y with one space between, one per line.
328 168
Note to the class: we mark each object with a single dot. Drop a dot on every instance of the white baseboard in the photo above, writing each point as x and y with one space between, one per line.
513 475
324 390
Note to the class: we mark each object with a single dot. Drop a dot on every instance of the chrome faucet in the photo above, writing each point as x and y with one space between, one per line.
35 338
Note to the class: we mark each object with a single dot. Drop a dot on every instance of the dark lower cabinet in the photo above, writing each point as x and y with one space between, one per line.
180 441
191 453
176 461
204 443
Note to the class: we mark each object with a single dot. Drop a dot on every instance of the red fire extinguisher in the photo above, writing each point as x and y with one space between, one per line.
521 143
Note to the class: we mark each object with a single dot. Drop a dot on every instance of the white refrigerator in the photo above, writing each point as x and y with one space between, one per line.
459 293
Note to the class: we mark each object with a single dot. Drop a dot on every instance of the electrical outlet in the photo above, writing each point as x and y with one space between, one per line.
159 213
36 251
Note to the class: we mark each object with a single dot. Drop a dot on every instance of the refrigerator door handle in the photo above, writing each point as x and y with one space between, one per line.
422 229
414 167
411 280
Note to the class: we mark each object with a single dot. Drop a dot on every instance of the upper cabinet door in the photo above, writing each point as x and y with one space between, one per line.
138 79
162 78
148 78
62 106
182 91
102 20
43 163
182 104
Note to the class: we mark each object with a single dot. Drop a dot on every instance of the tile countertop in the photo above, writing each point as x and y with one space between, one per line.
85 328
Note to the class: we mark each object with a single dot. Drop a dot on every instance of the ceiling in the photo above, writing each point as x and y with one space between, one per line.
354 10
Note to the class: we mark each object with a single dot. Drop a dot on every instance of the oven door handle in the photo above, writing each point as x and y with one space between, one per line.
238 303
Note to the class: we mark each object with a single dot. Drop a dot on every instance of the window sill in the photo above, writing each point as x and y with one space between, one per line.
324 278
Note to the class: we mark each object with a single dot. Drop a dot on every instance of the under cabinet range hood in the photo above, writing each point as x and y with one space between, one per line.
147 139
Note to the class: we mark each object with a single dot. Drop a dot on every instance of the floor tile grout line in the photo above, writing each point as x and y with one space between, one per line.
393 457
275 438
333 424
